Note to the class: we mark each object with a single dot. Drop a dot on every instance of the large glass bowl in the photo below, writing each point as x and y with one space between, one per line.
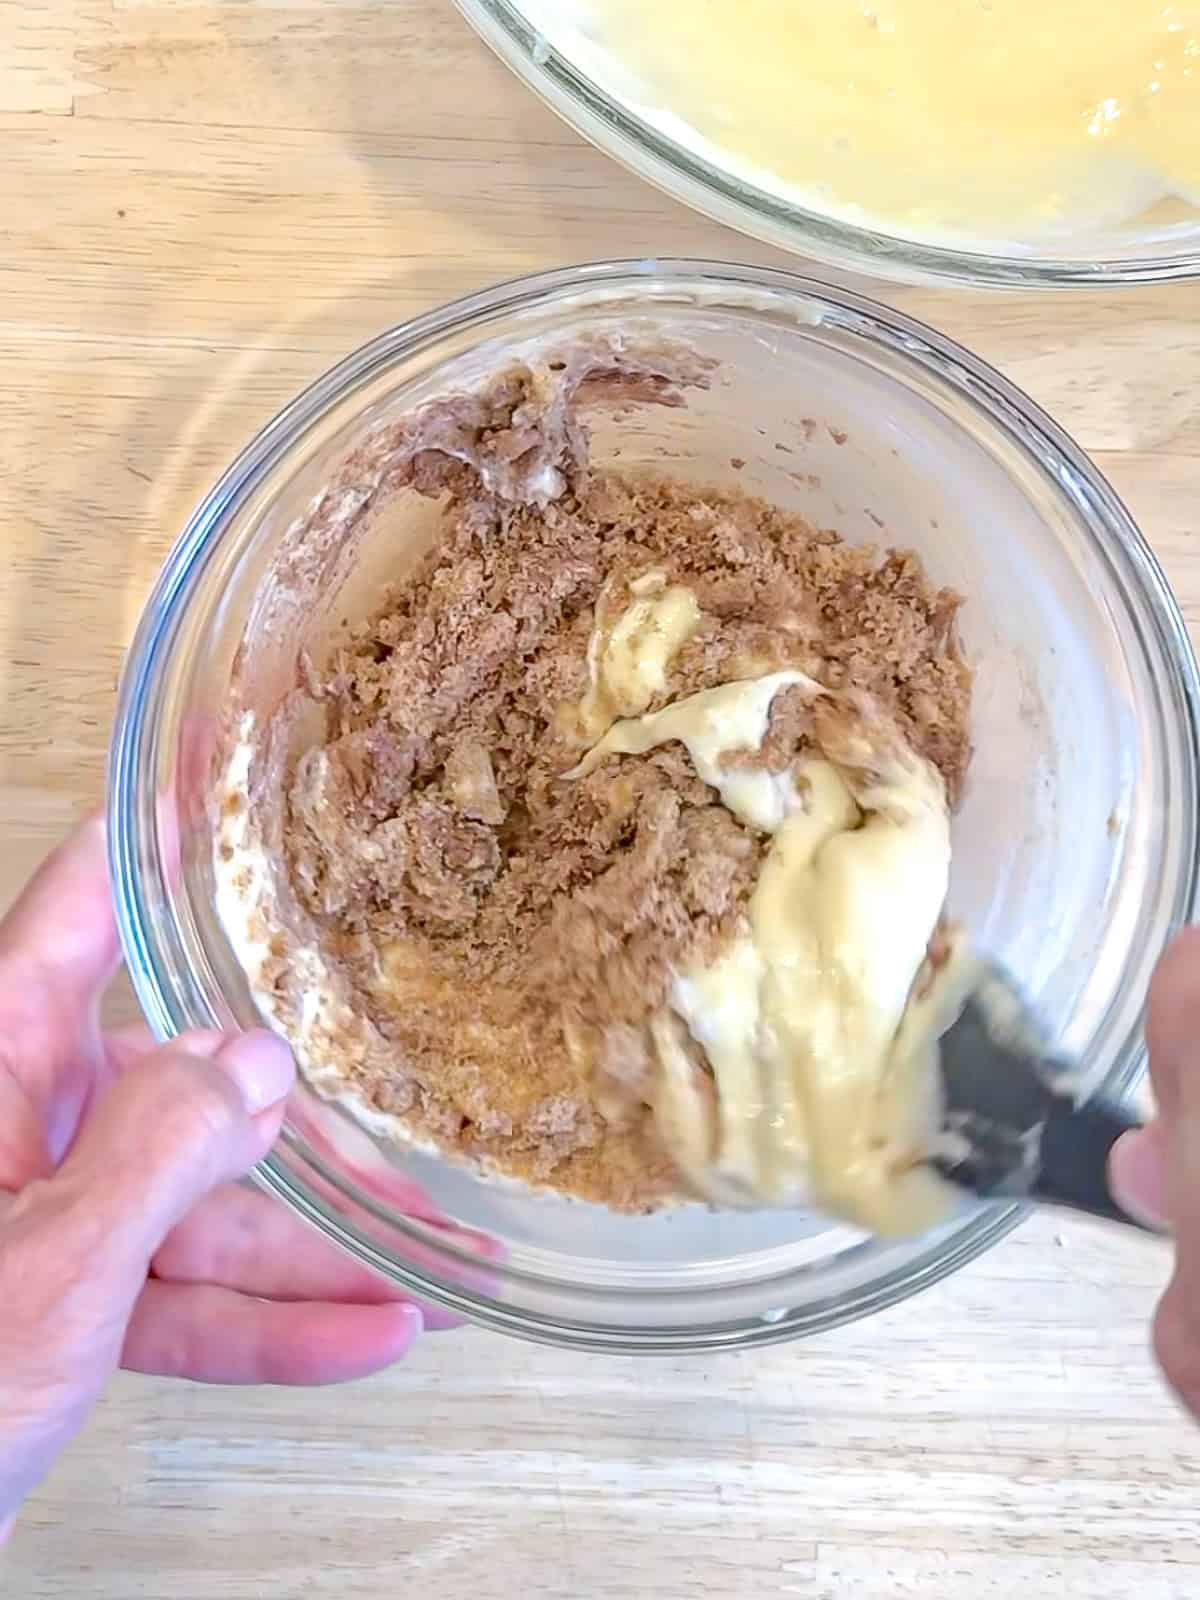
1074 850
596 90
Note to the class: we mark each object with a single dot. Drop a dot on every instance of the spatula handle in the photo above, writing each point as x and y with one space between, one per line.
1076 1141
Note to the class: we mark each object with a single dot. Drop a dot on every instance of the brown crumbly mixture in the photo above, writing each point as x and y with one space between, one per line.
502 925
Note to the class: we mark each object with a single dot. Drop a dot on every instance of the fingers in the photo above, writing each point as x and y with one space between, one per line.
242 1239
126 1047
75 1246
247 1241
58 950
24 1153
214 1335
192 1115
58 943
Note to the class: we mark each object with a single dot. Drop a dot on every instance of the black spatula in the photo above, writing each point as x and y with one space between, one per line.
1014 1127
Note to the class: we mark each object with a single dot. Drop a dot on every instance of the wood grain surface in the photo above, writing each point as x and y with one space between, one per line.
203 205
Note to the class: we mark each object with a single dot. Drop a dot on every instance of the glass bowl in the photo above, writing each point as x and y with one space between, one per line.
1075 847
600 97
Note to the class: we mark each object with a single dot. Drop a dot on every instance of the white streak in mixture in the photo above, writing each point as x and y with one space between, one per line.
731 717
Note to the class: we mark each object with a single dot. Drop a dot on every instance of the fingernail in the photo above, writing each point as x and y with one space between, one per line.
411 1320
1138 1176
261 1065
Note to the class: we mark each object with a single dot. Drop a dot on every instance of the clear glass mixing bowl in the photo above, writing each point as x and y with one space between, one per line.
1074 851
598 93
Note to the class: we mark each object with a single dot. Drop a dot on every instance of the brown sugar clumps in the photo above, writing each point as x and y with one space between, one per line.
504 929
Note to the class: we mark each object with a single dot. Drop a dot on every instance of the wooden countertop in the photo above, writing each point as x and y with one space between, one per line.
202 206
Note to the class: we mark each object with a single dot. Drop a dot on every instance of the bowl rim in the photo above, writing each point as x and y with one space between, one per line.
133 814
738 203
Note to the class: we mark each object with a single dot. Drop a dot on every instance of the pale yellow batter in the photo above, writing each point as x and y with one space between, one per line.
822 1087
997 118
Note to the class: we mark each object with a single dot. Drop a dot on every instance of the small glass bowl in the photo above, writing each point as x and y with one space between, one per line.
598 95
1074 851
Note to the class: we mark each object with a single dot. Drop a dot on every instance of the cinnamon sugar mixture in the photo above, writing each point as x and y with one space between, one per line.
497 934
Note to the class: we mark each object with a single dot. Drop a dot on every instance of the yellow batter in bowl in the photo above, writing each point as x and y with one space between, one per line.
1000 118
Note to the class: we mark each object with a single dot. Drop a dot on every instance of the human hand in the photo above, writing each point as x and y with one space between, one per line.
122 1239
1155 1172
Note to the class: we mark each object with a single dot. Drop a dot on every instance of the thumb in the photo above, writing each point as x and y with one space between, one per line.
1173 1027
1159 1165
194 1114
1137 1174
1152 1170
